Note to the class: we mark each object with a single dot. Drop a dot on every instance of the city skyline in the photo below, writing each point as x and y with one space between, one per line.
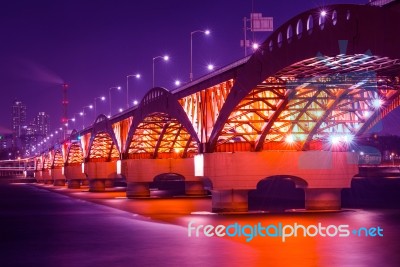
94 49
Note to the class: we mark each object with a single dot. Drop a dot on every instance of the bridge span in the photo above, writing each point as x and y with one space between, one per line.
293 109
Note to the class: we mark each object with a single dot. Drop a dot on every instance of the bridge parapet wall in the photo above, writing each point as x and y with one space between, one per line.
140 172
324 172
144 170
243 170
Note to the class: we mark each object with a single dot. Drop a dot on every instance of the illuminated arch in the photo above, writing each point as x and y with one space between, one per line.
74 154
38 163
328 88
47 161
160 127
58 159
103 145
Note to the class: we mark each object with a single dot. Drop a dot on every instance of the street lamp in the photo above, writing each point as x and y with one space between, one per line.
255 46
109 95
137 76
206 32
166 58
83 114
67 124
102 98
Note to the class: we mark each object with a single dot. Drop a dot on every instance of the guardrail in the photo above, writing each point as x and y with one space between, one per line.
12 168
380 2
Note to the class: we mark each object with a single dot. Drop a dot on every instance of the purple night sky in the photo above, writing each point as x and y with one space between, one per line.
93 45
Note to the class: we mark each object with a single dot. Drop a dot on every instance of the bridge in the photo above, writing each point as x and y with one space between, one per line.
293 109
17 168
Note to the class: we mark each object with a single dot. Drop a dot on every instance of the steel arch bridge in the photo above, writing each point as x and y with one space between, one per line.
321 79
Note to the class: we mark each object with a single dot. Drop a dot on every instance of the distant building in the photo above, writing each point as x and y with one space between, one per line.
8 144
6 138
41 122
18 118
25 136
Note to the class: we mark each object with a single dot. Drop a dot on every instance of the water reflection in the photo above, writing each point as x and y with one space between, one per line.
268 251
271 251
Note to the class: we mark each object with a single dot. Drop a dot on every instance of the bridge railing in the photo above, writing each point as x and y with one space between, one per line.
21 168
213 74
379 2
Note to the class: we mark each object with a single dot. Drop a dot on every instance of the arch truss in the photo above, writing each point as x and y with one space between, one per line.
160 135
75 154
103 145
287 111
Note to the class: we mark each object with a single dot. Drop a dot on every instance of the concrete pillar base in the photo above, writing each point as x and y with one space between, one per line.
97 185
195 188
137 189
74 184
109 183
59 182
233 200
323 198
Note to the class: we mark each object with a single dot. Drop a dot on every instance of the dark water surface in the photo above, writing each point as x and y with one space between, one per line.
49 226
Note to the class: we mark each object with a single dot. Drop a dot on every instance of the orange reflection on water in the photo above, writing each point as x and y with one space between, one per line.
269 251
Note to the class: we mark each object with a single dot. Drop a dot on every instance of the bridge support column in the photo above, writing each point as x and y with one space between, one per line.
39 177
59 182
323 198
58 177
74 184
74 176
109 183
47 177
100 175
195 188
97 185
233 200
137 189
140 172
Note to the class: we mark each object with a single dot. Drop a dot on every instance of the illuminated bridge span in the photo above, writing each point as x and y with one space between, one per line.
292 109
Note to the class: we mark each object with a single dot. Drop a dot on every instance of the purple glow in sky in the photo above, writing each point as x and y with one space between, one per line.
93 46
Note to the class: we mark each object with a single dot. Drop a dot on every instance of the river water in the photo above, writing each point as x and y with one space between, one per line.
54 226
376 242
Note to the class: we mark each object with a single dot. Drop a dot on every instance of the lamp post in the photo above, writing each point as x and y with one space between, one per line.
166 58
102 98
137 76
83 115
75 119
109 96
206 32
67 124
